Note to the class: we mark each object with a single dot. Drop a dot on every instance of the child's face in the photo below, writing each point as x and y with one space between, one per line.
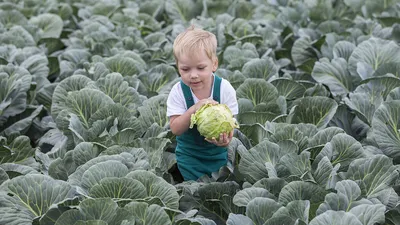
196 69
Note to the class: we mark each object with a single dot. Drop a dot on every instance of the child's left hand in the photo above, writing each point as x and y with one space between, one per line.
224 139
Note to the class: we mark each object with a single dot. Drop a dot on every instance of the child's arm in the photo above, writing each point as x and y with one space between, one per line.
179 124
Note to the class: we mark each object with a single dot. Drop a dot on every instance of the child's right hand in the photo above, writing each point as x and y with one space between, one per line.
202 102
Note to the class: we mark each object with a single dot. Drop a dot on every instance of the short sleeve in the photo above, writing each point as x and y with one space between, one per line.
176 104
228 96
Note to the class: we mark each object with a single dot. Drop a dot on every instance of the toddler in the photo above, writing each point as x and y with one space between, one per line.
196 60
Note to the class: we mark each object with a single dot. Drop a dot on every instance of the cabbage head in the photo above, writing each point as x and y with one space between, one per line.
212 120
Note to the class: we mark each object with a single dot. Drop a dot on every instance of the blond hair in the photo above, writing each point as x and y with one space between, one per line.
194 39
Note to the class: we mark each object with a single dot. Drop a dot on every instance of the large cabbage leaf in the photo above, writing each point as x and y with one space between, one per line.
28 197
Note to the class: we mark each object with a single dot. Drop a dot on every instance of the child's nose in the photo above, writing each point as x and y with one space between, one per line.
193 74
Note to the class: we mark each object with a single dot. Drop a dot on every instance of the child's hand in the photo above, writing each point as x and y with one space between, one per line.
224 139
202 102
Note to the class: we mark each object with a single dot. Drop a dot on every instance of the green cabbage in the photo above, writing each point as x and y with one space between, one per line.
213 120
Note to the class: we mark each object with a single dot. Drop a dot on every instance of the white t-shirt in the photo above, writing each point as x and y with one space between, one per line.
176 104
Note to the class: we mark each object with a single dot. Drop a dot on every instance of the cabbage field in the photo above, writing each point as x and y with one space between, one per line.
84 137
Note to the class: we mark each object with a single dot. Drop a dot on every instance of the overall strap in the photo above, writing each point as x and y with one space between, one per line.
217 88
188 95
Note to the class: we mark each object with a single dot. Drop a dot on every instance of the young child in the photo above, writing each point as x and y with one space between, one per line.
196 59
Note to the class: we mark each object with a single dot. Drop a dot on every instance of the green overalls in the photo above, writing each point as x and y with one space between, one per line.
194 155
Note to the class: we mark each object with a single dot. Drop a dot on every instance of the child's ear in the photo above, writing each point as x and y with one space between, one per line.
215 64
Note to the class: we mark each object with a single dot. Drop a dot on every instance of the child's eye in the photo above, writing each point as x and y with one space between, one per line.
201 68
184 69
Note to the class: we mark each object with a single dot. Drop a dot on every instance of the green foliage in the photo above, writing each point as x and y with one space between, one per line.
84 136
